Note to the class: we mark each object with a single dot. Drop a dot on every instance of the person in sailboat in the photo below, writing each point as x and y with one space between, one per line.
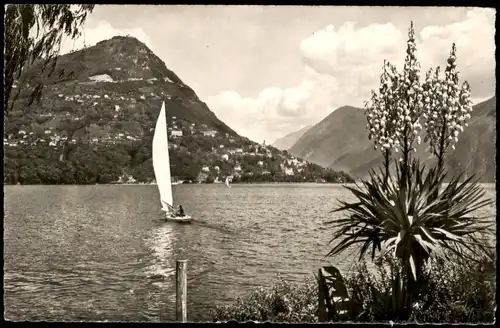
180 211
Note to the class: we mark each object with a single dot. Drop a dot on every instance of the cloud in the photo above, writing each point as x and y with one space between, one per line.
337 52
342 65
475 41
101 31
355 56
274 111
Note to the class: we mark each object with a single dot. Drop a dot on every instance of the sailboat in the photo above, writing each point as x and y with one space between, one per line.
161 166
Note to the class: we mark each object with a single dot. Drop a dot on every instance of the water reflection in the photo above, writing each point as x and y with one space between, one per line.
161 243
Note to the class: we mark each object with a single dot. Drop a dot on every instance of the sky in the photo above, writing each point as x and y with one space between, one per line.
267 71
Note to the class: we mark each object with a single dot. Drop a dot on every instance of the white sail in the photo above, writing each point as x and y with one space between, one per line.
161 161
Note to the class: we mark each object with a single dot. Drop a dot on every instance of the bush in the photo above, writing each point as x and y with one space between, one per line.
455 292
372 290
460 291
284 302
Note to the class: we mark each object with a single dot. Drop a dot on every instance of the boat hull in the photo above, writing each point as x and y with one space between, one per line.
180 219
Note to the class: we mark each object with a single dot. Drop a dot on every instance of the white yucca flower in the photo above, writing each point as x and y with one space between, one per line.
394 111
448 106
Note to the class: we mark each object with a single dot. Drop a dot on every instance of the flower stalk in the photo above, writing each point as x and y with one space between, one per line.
447 108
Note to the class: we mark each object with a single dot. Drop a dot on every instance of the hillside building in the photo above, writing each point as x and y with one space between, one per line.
210 133
176 133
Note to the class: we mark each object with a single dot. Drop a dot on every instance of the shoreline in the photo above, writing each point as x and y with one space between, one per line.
490 184
154 184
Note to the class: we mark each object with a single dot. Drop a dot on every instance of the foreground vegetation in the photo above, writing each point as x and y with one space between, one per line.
457 292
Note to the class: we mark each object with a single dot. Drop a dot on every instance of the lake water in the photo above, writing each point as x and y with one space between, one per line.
95 253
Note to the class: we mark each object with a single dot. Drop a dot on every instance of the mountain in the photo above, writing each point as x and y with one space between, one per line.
290 139
340 133
340 141
475 151
96 117
120 71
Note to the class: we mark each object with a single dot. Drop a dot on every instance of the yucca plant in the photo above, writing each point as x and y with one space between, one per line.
404 218
413 216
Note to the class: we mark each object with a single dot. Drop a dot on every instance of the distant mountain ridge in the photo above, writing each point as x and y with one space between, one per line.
336 135
340 141
290 139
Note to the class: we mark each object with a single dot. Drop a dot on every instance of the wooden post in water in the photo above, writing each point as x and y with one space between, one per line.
181 290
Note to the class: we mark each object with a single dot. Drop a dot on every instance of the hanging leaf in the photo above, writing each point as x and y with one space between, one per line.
23 50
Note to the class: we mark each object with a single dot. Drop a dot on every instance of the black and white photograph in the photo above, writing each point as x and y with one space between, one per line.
249 163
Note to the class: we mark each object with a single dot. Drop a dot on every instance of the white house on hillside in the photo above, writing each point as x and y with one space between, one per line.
209 133
176 133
